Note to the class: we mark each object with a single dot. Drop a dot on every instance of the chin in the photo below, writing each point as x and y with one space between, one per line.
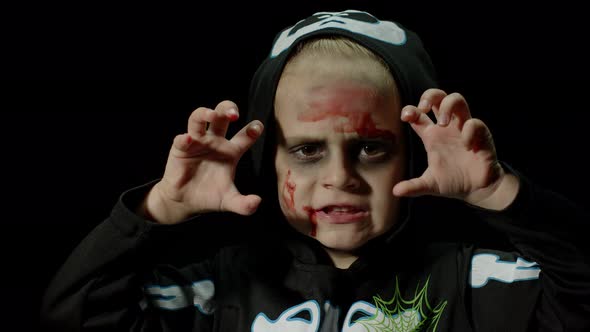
342 242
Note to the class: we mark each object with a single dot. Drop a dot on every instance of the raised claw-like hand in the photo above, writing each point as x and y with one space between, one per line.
462 161
200 170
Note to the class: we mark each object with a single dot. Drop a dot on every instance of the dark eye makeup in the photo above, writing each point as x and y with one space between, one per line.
362 150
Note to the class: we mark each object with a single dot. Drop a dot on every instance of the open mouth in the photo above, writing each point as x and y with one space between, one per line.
338 214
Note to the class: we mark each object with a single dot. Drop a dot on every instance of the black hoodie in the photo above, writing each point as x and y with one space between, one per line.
452 267
400 48
402 51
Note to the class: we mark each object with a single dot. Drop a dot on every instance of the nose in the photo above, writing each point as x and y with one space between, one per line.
338 173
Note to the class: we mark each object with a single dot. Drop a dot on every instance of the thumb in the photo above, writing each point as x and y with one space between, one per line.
240 204
412 187
476 136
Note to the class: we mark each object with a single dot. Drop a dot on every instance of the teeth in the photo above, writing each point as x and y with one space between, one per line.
340 209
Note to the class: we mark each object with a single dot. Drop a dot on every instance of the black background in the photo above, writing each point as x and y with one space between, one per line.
93 95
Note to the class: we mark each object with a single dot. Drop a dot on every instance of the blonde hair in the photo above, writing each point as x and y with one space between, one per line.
330 44
337 46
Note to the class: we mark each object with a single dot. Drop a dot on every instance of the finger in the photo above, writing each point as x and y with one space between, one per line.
197 122
240 204
413 187
418 120
182 142
454 109
247 135
226 112
430 100
476 136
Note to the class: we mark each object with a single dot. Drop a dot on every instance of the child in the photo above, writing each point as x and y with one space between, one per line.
338 239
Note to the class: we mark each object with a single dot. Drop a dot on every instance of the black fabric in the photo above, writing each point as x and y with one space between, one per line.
130 274
101 286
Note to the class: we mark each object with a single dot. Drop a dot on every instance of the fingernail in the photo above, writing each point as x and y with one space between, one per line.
256 128
232 113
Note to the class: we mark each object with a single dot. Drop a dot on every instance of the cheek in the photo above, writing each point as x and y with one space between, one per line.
382 198
292 184
292 199
384 179
294 191
287 192
285 185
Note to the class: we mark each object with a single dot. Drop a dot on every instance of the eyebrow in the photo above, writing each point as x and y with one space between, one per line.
297 140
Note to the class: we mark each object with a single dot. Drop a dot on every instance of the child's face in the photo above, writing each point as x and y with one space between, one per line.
340 152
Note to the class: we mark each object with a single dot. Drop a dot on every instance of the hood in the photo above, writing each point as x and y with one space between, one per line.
399 47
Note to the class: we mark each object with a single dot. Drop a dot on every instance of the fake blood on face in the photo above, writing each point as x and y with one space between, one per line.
289 192
349 103
311 213
358 122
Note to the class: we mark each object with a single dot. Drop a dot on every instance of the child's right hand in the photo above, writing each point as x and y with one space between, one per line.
200 171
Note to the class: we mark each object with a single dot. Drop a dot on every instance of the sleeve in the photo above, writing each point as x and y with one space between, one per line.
127 275
548 229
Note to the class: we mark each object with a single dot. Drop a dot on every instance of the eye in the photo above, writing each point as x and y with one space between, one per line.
371 149
307 152
374 151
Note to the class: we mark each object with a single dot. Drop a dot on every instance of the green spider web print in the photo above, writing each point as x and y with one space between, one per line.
400 315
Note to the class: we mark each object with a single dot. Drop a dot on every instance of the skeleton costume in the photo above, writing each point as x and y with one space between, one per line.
520 269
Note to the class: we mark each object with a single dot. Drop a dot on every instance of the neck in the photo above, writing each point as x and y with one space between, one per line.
341 259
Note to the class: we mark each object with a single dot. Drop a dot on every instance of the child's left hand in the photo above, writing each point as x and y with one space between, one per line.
462 159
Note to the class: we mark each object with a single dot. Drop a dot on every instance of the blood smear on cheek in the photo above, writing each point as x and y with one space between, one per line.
289 192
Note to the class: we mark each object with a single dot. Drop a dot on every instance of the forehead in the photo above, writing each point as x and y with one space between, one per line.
317 90
343 97
333 100
335 105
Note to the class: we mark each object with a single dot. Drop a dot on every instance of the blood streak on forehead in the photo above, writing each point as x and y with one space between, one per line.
350 103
